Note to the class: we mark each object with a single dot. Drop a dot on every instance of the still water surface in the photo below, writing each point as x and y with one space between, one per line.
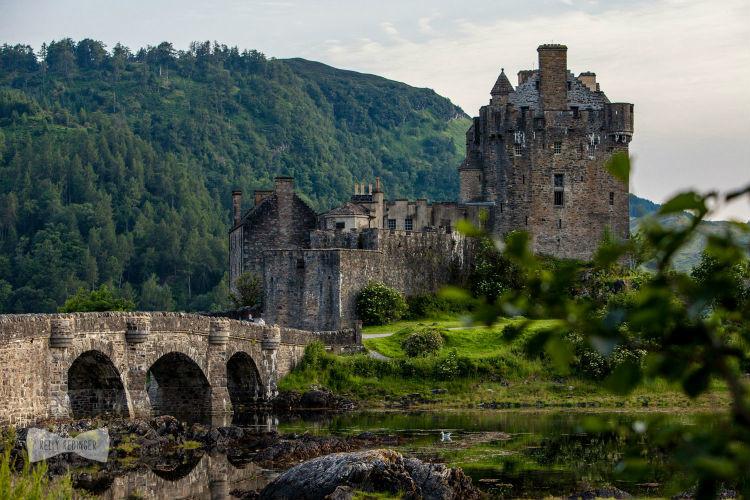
509 454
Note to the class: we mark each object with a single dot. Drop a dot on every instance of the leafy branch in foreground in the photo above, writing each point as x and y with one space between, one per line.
693 329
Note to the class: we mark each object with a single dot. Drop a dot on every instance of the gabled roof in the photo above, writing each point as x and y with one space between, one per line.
502 85
349 209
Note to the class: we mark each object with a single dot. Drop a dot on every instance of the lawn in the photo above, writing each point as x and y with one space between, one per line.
474 342
477 364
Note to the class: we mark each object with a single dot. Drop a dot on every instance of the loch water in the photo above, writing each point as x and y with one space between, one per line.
508 454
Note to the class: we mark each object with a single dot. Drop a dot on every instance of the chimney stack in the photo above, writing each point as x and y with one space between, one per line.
377 184
369 189
237 206
553 76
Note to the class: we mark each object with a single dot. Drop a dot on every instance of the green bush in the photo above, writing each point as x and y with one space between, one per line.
378 304
423 342
429 305
102 299
315 357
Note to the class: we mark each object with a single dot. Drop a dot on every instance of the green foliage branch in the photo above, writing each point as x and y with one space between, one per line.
687 330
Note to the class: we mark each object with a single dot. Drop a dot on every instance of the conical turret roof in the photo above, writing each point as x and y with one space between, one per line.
502 85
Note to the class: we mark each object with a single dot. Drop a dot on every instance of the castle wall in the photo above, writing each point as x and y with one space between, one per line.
317 288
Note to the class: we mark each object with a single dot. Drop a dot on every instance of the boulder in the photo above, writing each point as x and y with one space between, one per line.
372 470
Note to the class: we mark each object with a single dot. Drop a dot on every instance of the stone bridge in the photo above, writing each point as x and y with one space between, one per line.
142 364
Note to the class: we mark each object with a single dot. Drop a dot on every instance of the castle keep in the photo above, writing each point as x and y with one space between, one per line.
537 152
535 161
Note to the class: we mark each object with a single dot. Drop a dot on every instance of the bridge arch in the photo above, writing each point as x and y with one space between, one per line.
95 387
244 382
176 385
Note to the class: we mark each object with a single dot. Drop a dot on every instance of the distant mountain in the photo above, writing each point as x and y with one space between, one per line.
688 257
118 166
641 206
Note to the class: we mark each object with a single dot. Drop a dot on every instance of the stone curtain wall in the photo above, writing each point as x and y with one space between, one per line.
38 351
317 288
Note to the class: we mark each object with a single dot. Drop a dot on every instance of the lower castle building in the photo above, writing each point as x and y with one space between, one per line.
312 267
535 161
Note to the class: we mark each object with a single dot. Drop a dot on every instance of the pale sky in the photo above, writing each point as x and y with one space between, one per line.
685 64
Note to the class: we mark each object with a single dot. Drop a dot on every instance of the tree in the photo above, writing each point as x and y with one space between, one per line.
101 299
248 290
156 297
379 304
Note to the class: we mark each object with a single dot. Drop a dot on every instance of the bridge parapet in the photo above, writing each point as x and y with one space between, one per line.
56 365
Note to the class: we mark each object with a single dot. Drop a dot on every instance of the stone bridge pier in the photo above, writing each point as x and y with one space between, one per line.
141 364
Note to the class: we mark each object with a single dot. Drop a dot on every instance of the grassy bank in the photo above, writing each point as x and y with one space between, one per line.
475 365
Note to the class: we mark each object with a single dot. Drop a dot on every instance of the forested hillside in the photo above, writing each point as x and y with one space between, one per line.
117 166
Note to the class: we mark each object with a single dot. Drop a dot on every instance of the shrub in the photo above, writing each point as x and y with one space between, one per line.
448 367
422 342
249 290
428 305
102 299
315 356
378 304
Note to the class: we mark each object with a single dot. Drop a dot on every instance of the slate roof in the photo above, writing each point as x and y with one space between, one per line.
579 94
502 85
348 208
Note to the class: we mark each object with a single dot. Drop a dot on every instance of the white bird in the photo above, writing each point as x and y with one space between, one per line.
445 437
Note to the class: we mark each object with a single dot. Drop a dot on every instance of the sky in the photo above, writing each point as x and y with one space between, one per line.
685 64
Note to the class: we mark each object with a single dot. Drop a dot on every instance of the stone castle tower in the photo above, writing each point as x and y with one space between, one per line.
537 152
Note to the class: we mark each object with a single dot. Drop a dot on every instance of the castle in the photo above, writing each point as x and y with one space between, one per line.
537 153
535 161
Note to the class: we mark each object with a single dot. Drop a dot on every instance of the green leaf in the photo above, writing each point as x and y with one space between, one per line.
619 166
697 381
689 200
466 228
624 378
561 354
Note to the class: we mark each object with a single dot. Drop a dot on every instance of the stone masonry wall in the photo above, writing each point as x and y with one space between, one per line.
37 351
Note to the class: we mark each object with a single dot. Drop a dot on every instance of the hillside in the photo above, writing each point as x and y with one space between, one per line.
117 167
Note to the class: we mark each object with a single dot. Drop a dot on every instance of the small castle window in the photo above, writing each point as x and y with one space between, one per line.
341 225
408 224
526 220
300 263
392 224
570 85
517 150
559 189
576 114
558 148
501 208
536 84
611 197
523 179
559 180
559 223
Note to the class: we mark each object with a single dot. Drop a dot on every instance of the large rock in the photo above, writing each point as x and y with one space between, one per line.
372 470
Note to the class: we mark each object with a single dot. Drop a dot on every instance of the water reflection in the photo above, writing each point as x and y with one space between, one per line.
507 453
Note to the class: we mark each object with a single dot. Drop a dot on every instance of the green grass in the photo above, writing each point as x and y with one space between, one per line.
440 322
475 342
476 365
32 482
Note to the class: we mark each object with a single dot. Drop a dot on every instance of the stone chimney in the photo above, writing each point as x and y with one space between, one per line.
284 185
589 79
237 207
553 76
